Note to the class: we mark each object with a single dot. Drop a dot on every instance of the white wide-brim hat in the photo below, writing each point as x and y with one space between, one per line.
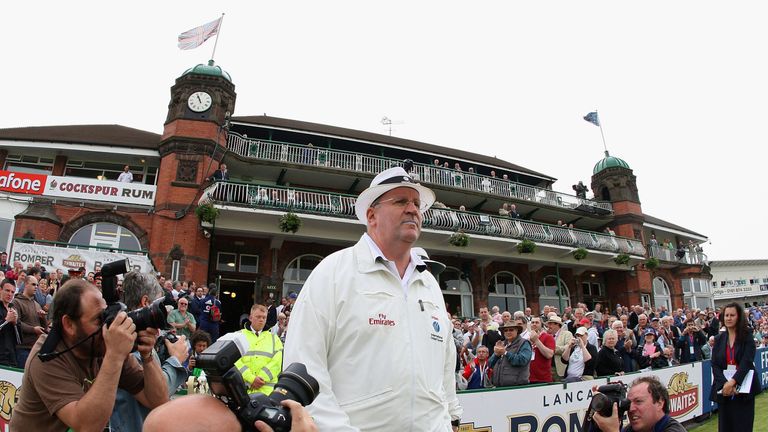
384 182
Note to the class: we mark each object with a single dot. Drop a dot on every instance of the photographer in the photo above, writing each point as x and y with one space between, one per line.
690 343
89 361
139 290
648 412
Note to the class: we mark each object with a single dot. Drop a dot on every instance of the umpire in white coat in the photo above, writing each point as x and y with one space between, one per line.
371 325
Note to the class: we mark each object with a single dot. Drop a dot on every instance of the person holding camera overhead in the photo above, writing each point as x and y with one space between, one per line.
690 343
88 362
732 359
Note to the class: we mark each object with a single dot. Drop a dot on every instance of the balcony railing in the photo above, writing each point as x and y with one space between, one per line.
356 162
682 256
339 205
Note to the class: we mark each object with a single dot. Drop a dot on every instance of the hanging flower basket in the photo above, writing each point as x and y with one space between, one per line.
459 239
526 246
621 259
289 222
207 212
651 263
580 254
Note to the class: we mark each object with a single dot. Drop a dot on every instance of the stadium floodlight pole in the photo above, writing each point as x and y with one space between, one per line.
221 23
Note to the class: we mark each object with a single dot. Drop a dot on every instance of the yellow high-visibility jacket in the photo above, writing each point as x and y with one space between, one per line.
264 359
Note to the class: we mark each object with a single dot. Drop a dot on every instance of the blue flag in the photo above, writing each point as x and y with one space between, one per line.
592 118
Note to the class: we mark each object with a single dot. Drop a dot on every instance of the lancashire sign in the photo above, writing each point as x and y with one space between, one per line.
78 188
561 407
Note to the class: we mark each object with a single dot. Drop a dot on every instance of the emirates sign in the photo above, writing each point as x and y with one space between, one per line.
23 183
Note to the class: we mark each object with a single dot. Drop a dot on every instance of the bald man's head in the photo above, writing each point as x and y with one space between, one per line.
217 416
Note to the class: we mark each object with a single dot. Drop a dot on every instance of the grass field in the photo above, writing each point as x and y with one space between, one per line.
761 418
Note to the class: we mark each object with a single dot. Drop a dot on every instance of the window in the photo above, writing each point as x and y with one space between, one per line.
249 263
6 231
696 293
226 261
110 171
175 265
592 289
550 295
106 234
507 292
457 292
29 164
661 296
298 271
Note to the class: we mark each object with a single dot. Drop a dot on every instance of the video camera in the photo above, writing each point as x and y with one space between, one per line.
226 383
602 402
154 315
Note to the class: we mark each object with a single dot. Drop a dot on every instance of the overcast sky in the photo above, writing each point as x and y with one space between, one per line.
681 87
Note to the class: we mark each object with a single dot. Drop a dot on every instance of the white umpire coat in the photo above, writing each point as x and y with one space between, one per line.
384 361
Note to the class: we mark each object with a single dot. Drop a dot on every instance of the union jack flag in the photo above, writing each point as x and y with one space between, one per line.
592 118
197 36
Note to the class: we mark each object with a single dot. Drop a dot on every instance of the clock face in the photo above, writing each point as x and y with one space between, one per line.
199 101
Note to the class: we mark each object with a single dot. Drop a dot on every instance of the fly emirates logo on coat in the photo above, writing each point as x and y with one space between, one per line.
381 320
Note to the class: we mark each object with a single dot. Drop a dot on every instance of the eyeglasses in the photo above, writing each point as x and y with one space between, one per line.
400 202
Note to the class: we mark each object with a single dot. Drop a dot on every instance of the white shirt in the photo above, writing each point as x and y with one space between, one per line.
576 362
390 265
125 177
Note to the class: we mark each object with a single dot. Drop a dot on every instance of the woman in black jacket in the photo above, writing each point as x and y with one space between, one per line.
609 360
733 356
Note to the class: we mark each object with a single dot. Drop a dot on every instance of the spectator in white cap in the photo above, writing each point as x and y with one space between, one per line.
374 306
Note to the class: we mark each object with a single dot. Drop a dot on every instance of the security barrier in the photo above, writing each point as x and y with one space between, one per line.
553 407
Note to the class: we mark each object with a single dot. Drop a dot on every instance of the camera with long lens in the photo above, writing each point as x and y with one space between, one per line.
602 402
226 383
154 315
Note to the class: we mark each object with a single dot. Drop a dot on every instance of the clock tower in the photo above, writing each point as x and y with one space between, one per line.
193 143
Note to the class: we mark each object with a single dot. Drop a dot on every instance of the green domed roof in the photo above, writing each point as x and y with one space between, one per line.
609 162
209 69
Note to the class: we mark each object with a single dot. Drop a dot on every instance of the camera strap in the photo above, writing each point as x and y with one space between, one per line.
47 356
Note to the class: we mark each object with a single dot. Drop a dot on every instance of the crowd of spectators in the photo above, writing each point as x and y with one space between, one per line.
503 348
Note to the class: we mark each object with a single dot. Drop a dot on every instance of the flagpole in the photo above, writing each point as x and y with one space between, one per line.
599 123
221 23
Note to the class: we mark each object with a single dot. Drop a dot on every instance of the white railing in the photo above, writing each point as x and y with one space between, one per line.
685 255
355 162
303 201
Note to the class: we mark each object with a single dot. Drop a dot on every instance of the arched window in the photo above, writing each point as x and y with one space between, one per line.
106 234
506 291
298 271
457 292
661 295
549 294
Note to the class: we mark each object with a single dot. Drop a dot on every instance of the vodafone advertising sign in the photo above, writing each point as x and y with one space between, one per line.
22 183
78 188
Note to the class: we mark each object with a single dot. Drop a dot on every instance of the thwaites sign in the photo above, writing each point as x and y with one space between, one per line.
58 258
77 188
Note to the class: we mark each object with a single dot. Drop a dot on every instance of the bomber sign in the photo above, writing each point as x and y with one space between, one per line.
60 258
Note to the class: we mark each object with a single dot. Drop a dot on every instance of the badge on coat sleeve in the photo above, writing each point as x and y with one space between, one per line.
435 336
